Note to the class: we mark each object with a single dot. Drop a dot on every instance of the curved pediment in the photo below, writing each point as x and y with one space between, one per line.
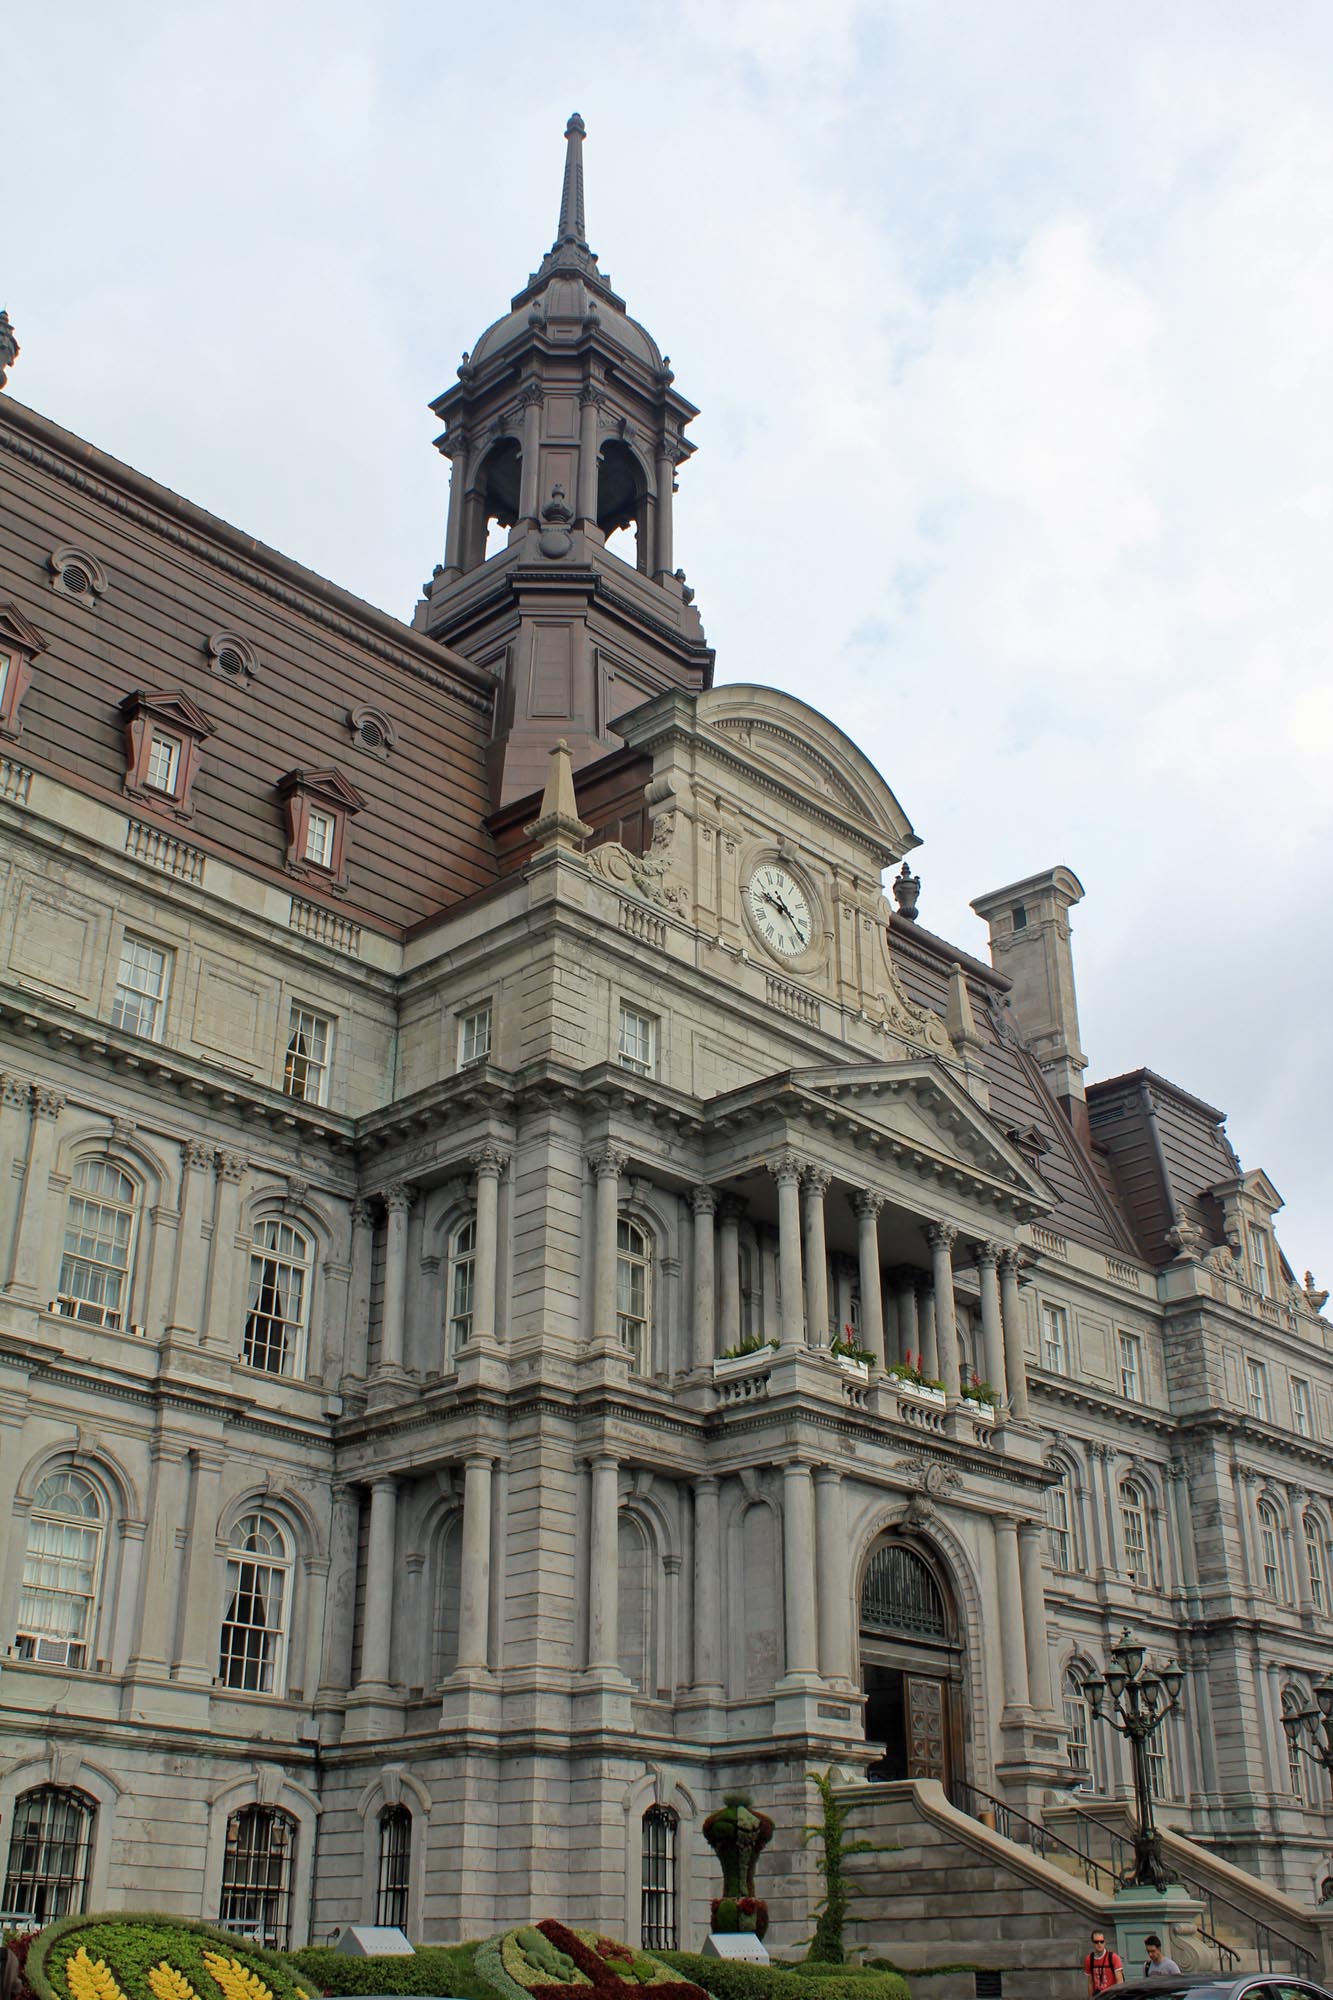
809 753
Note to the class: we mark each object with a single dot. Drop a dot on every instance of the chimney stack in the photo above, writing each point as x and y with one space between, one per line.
1029 944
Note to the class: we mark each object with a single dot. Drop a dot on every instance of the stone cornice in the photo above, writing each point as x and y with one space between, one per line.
203 536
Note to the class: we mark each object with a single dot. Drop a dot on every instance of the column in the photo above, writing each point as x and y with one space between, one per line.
703 1205
831 1576
453 540
530 496
1011 1317
1013 1639
786 1171
992 1323
941 1237
499 1560
474 1586
26 1267
590 402
1268 1682
604 1566
1178 1485
815 1182
224 1316
607 1164
1300 1554
867 1206
729 1259
671 1566
707 1587
909 1323
356 1339
666 480
798 1570
397 1201
197 1662
377 1622
928 1332
335 1674
187 1281
489 1163
15 1107
161 1567
1031 1535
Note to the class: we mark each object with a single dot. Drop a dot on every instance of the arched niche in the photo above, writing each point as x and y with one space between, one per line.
912 1659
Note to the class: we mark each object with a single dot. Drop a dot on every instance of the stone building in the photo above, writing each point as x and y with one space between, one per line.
460 1080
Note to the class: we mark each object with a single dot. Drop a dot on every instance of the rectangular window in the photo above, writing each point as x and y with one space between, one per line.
5 661
59 1590
1256 1388
638 1041
305 1073
1300 1407
1260 1263
474 1036
1314 1555
164 762
1131 1367
1055 1339
1078 1751
1062 1527
1159 1767
140 1001
319 838
252 1627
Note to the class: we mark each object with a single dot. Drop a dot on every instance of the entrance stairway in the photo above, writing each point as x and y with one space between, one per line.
1007 1894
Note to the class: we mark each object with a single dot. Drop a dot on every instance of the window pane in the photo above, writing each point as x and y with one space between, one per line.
395 1862
275 1322
99 1236
474 1035
637 1038
50 1852
319 838
58 1594
257 1875
305 1073
253 1625
163 765
462 1282
660 1884
141 985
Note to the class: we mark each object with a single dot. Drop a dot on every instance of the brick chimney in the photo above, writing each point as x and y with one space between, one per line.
1029 944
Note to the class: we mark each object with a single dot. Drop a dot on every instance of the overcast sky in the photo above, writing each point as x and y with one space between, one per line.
1010 324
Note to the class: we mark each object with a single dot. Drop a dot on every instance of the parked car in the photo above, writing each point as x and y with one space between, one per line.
1222 1986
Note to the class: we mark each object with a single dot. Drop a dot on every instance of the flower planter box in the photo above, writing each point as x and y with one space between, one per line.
916 1392
742 1364
858 1370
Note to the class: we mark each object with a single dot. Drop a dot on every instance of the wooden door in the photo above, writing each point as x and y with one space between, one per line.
927 1728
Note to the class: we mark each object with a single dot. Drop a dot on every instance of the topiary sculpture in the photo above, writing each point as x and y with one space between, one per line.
737 1834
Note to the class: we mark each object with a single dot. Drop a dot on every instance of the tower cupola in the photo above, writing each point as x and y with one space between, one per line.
564 429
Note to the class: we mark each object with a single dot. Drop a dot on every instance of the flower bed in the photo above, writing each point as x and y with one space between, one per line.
128 1955
547 1961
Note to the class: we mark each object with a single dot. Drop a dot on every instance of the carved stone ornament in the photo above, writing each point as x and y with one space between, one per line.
555 539
1188 1241
907 893
608 1162
232 658
9 348
929 1477
643 874
1315 1296
76 574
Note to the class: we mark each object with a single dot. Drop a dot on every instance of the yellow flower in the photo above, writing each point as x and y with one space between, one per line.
91 1978
168 1984
236 1980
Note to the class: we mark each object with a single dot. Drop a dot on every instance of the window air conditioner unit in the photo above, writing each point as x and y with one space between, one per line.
140 1332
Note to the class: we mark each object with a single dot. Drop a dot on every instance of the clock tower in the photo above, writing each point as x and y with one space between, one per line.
563 428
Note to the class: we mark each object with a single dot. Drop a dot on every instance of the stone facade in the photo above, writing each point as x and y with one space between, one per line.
421 1431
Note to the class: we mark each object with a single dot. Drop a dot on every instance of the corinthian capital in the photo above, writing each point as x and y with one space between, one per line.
942 1235
786 1169
817 1181
47 1103
867 1202
608 1162
398 1197
490 1161
703 1200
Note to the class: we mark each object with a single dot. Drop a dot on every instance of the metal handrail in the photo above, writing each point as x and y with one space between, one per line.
1265 1937
1039 1837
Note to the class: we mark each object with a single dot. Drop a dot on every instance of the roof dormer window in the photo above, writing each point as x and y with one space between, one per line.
319 806
20 643
164 736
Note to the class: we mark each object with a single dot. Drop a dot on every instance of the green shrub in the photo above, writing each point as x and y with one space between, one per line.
726 1980
130 1943
433 1968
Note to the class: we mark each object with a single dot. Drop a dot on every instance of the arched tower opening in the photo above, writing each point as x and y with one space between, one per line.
911 1661
493 502
622 503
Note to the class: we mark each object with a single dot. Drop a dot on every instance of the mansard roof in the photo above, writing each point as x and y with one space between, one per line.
1167 1153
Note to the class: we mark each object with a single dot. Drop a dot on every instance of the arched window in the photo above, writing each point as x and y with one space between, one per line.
100 1222
1295 1703
900 1595
634 1272
461 1285
257 1875
634 1604
50 1853
61 1569
395 1865
277 1315
1136 1523
494 502
1063 1523
448 1590
660 1929
1159 1763
254 1629
1270 1553
622 501
1313 1529
1078 1726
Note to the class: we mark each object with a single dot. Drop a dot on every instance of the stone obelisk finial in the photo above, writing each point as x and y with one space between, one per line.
573 228
9 347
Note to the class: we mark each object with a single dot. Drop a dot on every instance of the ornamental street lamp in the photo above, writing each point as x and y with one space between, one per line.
1315 1725
1140 1701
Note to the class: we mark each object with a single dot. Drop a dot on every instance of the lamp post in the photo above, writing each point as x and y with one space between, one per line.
1140 1700
1315 1726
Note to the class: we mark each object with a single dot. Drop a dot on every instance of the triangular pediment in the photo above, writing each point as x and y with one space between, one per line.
171 706
15 628
330 785
911 1105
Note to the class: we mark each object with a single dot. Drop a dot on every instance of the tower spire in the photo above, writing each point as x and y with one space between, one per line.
572 228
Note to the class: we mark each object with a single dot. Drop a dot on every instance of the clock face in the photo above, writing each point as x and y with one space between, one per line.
780 909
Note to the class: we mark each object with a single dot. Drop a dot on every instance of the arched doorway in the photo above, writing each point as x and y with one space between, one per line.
911 1664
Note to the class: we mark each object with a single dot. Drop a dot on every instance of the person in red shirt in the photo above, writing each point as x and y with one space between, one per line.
1104 1968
